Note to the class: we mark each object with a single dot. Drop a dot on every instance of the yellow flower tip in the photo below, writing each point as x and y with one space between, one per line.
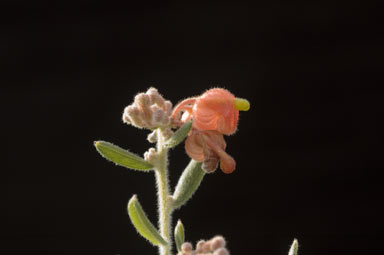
241 104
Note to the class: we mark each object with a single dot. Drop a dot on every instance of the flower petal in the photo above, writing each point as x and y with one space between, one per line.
214 110
194 146
215 141
211 160
227 163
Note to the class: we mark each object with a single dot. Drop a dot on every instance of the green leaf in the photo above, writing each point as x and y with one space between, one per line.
142 224
294 248
122 157
179 135
188 183
179 235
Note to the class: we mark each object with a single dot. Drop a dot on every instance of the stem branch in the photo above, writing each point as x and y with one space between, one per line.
164 199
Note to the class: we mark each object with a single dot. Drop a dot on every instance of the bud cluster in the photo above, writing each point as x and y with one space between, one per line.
215 246
149 110
151 155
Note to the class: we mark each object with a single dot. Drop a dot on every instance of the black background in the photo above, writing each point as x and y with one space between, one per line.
309 152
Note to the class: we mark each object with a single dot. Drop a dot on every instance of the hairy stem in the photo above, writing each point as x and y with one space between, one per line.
164 199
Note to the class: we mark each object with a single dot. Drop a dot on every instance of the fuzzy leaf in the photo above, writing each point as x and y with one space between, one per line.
179 235
294 248
142 224
179 136
122 157
188 183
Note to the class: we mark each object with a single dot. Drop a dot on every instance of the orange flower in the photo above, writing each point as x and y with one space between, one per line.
214 113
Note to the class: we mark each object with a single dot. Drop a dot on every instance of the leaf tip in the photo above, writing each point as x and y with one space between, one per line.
133 198
294 247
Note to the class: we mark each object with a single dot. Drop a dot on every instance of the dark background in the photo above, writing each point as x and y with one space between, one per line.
309 152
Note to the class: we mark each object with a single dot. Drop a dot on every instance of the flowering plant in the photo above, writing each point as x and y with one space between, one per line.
202 121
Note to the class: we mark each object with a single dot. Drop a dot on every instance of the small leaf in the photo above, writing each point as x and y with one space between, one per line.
179 135
294 248
142 224
188 183
179 235
122 157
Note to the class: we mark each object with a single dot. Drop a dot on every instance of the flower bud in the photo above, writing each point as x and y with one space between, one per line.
186 247
158 115
221 251
155 97
167 133
217 242
152 137
149 111
168 107
126 119
151 155
132 114
206 247
144 103
199 246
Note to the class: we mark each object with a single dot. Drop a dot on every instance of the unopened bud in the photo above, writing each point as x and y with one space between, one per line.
152 137
132 113
149 110
168 107
155 97
126 119
186 247
142 99
158 115
144 103
217 242
221 251
167 133
206 247
150 155
199 246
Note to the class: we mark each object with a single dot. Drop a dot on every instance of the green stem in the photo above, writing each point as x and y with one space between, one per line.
164 199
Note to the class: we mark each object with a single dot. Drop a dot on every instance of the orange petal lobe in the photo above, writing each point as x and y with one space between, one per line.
194 146
214 110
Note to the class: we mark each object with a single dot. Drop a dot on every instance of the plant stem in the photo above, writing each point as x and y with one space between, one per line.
164 201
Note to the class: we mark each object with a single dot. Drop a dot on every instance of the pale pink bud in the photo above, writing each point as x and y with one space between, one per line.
167 133
151 111
155 97
168 107
221 251
144 103
217 242
152 137
206 247
158 115
186 247
126 119
150 155
132 113
199 246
